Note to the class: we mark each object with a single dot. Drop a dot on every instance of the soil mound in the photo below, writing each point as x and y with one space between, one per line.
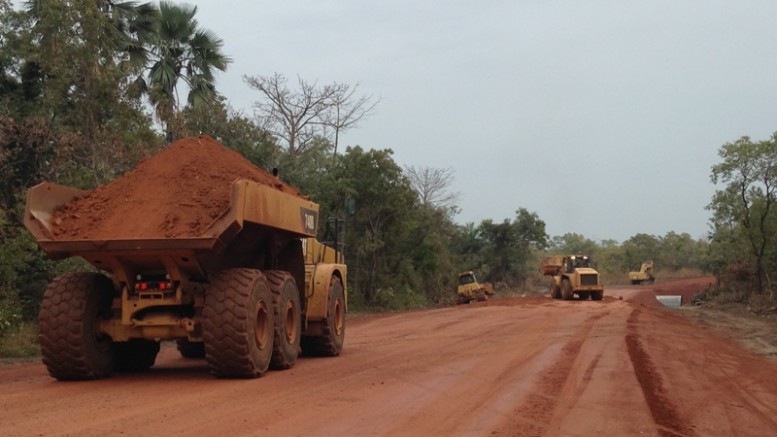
176 193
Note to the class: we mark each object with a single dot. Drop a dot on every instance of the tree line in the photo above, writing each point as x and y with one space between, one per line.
87 88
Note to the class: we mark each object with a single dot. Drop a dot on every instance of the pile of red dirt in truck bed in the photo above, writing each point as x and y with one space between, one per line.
177 192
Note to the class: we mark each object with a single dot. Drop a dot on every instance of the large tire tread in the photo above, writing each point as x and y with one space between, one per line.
555 291
227 324
330 343
285 353
68 350
566 290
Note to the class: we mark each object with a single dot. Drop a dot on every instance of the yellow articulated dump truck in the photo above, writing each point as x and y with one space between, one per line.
247 293
644 275
570 275
469 289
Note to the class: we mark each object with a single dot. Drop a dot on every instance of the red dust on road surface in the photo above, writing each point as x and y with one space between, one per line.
528 366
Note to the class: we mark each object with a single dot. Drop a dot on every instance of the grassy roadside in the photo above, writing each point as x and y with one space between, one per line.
19 342
750 320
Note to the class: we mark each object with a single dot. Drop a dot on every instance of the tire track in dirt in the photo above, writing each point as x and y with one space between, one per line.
403 391
745 394
663 411
536 413
732 374
478 408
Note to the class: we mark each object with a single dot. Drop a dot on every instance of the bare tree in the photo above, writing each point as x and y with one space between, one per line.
297 117
347 111
432 185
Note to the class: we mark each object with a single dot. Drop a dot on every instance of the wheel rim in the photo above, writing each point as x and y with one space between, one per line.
339 322
291 322
261 328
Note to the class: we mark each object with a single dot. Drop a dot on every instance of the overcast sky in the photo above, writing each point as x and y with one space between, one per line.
604 117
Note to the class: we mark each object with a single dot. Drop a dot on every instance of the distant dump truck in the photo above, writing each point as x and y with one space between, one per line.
469 289
247 292
570 275
644 275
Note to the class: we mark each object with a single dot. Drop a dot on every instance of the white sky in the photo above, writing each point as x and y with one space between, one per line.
604 117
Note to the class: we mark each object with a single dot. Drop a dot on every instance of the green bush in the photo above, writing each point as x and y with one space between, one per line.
20 340
10 316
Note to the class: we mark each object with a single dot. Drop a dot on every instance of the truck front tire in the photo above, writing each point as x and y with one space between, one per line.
330 344
555 292
566 290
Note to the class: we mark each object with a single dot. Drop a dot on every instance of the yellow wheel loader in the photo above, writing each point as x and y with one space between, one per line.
572 275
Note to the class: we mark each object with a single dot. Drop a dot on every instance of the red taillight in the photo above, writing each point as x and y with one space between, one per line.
142 286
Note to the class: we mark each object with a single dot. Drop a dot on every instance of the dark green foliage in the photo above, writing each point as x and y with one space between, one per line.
377 234
217 119
509 246
24 272
26 156
745 212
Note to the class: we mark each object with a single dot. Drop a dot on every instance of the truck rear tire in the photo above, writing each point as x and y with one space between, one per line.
288 319
136 355
566 290
330 344
71 345
237 324
190 349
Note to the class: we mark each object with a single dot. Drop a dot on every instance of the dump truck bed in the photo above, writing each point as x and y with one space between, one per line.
256 213
552 266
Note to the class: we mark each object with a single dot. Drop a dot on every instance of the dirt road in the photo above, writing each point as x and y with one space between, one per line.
507 367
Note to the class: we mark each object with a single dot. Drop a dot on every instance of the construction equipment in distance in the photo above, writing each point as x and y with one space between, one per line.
470 289
247 294
644 275
570 275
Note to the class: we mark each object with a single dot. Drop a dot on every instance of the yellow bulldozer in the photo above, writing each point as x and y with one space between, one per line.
572 275
644 275
470 289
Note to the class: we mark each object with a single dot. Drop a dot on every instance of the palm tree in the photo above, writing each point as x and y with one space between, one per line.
134 26
181 51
